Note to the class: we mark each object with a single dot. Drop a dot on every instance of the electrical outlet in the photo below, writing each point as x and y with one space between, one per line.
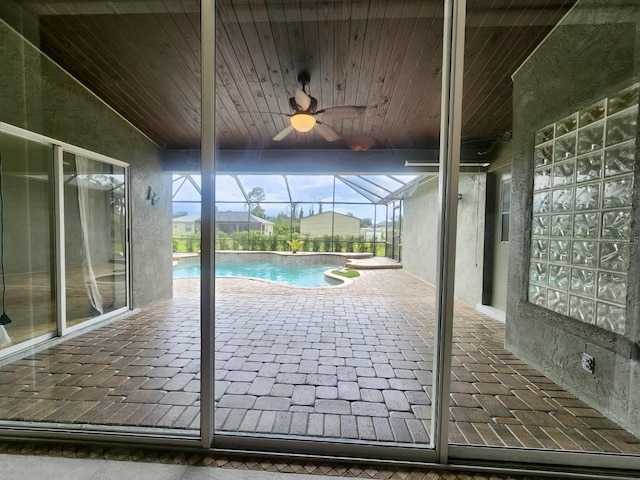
588 362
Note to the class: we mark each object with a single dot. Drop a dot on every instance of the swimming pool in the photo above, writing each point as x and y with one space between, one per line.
296 275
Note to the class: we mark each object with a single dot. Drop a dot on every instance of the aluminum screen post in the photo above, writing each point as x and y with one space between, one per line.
450 133
207 258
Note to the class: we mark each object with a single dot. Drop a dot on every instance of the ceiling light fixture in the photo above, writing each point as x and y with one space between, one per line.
303 122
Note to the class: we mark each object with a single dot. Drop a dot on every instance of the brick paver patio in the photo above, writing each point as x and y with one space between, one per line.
341 363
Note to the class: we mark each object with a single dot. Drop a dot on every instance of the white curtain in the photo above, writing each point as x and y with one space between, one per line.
86 225
5 339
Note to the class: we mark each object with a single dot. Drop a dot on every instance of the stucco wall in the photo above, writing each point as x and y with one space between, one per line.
39 96
419 235
593 54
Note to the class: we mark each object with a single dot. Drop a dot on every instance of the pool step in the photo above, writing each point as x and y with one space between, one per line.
372 263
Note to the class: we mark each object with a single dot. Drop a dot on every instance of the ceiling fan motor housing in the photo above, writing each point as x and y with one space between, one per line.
296 108
304 77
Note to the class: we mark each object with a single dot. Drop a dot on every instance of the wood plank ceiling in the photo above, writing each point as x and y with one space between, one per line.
143 59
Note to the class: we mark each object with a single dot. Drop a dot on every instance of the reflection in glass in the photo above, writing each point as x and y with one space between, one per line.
614 256
625 99
565 147
557 301
539 249
563 173
584 253
538 273
542 179
581 308
559 251
544 135
566 125
587 196
590 139
543 156
538 295
562 199
617 193
616 224
560 225
589 167
592 114
620 159
612 287
558 277
610 317
583 281
622 127
540 225
586 225
540 202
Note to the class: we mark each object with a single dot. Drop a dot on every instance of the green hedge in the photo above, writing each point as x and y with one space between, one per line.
257 241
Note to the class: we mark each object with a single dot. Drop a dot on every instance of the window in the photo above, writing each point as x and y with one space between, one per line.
583 185
505 205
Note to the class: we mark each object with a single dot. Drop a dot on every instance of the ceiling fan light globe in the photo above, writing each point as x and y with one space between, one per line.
303 122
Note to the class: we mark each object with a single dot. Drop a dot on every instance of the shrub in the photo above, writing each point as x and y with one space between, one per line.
338 244
326 243
350 243
192 243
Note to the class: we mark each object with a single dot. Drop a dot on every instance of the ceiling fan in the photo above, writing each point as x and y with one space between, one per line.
305 110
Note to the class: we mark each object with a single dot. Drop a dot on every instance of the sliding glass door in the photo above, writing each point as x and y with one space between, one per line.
71 231
95 225
27 228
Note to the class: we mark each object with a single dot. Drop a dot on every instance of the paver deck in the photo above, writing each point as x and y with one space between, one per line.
343 363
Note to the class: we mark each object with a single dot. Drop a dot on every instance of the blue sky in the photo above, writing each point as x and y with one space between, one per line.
309 190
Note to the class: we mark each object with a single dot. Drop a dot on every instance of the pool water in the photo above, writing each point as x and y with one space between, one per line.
297 275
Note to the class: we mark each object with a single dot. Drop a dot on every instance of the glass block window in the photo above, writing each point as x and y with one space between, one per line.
582 189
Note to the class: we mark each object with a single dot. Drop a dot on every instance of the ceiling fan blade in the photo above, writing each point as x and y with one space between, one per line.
326 132
283 133
343 113
302 99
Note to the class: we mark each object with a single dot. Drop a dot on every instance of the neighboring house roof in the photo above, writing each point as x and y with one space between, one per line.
187 219
224 217
239 217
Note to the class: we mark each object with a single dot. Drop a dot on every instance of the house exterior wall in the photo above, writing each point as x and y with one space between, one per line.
186 226
39 96
183 228
327 223
593 54
420 230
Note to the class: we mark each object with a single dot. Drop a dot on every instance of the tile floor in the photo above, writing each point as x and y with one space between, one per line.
350 363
